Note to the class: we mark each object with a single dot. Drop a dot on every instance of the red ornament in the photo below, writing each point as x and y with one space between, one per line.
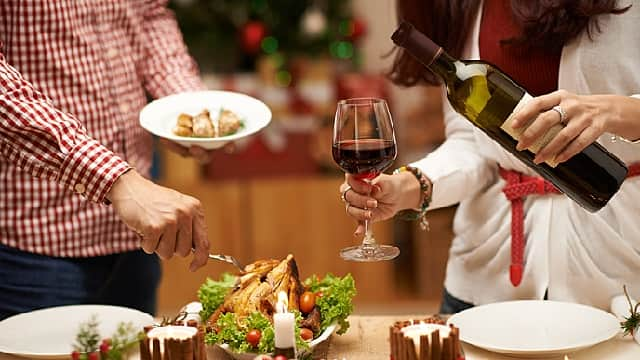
358 29
251 36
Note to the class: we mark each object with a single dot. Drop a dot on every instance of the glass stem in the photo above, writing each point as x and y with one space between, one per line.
368 232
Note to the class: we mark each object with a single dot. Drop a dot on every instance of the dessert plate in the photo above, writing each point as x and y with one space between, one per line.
50 333
535 328
160 116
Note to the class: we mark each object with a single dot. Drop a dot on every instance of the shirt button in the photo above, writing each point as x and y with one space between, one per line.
80 188
124 108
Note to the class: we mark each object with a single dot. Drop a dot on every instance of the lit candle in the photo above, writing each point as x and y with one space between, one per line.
283 324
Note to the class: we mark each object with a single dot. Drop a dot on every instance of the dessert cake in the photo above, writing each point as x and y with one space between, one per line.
173 342
427 339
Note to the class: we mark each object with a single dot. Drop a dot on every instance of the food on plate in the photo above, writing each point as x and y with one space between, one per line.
202 125
239 308
427 339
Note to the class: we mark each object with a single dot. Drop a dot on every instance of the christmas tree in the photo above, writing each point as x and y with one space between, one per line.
230 35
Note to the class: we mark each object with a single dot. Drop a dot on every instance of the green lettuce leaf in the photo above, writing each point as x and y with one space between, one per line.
212 293
336 302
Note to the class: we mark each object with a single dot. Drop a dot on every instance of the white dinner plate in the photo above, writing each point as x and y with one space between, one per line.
159 117
535 328
50 333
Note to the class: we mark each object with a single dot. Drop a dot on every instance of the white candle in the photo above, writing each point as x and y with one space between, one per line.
283 324
170 332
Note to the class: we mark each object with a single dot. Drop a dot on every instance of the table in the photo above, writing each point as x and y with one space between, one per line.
367 339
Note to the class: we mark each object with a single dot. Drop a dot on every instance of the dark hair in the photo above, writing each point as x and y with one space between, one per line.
448 22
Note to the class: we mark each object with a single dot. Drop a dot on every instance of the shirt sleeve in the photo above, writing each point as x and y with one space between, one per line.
168 68
456 168
48 143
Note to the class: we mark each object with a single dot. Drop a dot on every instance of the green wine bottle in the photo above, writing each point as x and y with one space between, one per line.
487 97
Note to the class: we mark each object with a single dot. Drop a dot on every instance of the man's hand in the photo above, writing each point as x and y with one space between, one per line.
200 154
168 222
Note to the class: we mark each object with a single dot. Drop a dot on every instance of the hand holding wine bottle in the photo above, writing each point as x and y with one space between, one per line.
585 119
488 98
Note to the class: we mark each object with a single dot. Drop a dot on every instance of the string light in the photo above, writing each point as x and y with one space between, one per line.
269 44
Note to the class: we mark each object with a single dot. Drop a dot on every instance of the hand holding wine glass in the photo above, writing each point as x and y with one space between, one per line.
364 146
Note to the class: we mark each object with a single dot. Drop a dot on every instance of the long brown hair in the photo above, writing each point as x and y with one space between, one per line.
448 22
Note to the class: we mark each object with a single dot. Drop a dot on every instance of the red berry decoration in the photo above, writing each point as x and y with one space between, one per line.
251 36
104 347
94 356
75 355
358 29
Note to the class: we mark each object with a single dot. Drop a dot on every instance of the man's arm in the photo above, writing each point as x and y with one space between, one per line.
49 143
168 68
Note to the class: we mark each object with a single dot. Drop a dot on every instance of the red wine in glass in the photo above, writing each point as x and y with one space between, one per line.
364 146
364 158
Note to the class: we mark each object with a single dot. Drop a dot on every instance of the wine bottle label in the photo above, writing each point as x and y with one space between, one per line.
517 133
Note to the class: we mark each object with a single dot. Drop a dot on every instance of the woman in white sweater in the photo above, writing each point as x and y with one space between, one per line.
591 51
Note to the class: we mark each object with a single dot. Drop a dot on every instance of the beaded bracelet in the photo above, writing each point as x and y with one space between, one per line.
425 187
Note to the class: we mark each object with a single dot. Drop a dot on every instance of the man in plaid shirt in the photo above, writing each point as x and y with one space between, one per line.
75 204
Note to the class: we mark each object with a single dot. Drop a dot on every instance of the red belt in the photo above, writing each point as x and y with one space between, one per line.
517 188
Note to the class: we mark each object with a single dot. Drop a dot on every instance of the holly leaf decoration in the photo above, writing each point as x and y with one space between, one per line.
631 322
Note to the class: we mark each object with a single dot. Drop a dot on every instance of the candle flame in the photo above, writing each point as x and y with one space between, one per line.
283 302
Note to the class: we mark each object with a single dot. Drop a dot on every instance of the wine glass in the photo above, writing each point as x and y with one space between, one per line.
364 145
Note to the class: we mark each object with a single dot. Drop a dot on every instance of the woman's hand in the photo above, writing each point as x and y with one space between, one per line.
586 118
167 221
381 199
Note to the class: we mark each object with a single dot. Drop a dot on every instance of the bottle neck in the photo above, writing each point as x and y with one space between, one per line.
443 65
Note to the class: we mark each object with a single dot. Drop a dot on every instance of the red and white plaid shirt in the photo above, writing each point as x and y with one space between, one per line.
73 76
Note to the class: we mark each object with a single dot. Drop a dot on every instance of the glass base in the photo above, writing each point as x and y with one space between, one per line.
368 253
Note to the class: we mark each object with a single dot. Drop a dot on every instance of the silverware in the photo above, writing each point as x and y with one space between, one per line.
226 258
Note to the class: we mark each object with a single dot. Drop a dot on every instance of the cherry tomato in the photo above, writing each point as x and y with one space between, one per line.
93 356
75 355
280 357
307 302
306 334
104 347
253 337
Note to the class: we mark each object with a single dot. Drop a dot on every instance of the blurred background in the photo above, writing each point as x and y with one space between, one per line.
277 193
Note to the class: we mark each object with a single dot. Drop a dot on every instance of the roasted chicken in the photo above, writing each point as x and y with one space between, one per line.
258 288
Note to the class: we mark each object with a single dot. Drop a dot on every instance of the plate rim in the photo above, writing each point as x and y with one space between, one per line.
195 140
535 351
55 355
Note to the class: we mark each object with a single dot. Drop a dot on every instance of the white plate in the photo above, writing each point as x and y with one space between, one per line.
159 116
315 342
50 333
535 328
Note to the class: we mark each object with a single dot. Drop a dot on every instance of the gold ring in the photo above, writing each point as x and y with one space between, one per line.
344 193
562 113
